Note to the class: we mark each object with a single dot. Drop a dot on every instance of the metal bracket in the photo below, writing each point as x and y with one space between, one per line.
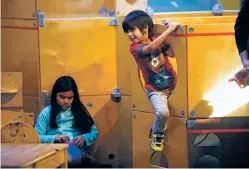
116 95
114 22
182 29
191 30
112 13
192 113
149 11
191 123
40 17
134 116
44 95
103 11
217 9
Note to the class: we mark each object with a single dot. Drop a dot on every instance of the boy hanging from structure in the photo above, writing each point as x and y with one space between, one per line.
150 54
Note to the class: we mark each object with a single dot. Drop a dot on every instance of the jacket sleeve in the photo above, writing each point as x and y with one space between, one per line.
92 136
41 127
241 27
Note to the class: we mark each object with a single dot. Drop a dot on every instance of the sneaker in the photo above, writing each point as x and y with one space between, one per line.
157 142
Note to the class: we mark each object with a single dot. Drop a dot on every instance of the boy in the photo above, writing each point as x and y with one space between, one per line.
158 74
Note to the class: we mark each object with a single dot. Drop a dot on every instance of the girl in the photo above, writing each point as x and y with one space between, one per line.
67 120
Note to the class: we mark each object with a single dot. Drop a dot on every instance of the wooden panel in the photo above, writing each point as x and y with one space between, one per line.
29 118
19 24
125 131
210 93
192 14
110 4
230 5
175 147
105 114
11 89
124 60
141 125
18 9
178 100
69 8
125 6
73 47
85 8
20 52
198 20
31 104
8 116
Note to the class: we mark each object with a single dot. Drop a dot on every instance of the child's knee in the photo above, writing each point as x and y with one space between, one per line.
163 113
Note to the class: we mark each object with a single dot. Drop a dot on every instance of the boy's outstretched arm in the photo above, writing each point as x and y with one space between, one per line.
160 39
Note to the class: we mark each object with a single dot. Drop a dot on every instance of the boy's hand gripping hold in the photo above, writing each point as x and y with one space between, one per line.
171 26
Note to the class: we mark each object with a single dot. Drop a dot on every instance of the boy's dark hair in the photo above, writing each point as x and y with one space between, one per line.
140 19
82 119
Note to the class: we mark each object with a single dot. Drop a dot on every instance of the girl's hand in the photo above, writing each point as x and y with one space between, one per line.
79 141
61 139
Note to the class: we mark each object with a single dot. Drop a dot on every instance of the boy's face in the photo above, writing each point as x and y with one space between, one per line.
136 36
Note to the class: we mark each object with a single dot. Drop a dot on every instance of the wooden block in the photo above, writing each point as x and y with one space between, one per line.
209 92
94 69
105 114
18 9
19 132
176 143
70 8
11 89
29 118
19 55
8 116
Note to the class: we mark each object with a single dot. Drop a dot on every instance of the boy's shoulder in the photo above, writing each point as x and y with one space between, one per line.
134 46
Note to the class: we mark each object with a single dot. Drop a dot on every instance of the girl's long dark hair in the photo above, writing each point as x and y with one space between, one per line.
82 118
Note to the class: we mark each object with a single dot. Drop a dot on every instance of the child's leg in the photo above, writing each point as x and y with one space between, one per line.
160 104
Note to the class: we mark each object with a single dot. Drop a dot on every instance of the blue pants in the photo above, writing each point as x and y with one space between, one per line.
74 154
